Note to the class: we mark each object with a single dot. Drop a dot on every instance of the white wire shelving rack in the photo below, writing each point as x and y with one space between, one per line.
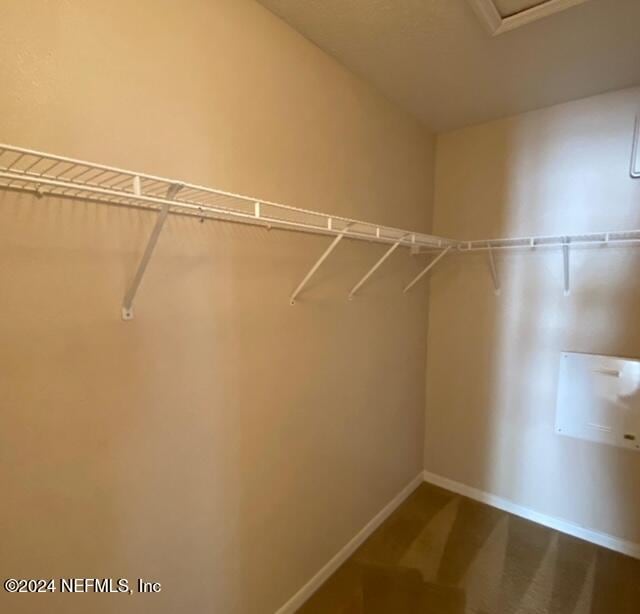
52 175
623 238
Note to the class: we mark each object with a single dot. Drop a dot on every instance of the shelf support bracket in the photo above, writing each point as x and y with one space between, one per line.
320 260
378 264
565 258
129 297
424 271
494 271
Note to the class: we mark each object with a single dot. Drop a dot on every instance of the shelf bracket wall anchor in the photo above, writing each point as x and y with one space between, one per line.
129 297
137 189
424 271
494 271
415 249
378 264
565 258
316 266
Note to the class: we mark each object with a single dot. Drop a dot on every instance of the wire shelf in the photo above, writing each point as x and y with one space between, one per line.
44 173
595 239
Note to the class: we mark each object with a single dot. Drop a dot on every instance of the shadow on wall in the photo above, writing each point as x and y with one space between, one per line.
493 361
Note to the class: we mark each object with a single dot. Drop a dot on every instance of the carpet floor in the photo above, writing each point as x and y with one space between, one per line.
440 553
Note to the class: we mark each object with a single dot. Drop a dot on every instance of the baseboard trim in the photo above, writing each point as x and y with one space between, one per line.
346 551
595 537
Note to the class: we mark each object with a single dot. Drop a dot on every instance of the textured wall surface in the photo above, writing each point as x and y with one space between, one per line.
222 443
492 362
436 58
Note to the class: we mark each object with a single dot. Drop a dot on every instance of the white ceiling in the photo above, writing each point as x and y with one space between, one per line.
436 59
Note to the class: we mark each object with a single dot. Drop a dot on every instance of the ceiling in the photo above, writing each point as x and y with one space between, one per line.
436 59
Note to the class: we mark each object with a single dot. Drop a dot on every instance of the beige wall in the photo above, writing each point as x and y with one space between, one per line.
493 360
223 443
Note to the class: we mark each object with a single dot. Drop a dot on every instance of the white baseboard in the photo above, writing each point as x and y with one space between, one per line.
595 537
345 552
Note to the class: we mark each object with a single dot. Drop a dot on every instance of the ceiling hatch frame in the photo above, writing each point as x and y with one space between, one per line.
496 24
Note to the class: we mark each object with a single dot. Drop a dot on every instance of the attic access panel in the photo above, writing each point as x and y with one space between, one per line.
599 399
500 16
506 8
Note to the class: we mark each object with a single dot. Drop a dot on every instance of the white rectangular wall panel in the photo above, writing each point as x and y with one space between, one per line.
599 399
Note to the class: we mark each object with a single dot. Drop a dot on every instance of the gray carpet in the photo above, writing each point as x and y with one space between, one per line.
440 553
